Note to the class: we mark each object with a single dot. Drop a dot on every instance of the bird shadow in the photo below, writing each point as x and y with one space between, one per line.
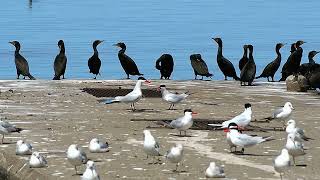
301 165
78 174
8 143
142 110
178 135
250 154
176 172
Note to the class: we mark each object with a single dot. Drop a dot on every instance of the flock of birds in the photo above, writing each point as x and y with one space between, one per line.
234 137
165 64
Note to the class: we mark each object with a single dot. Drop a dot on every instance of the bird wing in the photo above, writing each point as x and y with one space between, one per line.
29 146
103 145
200 67
84 158
22 64
129 65
246 140
175 97
177 123
60 63
277 112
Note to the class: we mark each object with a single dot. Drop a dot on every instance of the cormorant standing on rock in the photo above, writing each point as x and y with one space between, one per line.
165 65
60 62
128 65
224 64
271 69
94 62
248 72
293 63
199 66
306 67
243 61
22 65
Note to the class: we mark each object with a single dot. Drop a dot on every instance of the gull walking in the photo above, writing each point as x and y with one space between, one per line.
90 173
37 161
7 128
244 140
172 98
282 162
183 123
282 114
298 133
134 96
150 145
295 148
23 148
76 156
175 154
215 171
96 146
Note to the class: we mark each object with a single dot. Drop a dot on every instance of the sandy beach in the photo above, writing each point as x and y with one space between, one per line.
56 114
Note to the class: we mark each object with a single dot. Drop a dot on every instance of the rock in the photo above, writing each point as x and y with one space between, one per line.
297 83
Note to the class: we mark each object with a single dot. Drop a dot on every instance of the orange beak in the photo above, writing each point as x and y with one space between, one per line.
226 130
194 113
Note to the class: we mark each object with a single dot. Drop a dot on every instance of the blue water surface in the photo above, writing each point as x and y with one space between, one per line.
150 28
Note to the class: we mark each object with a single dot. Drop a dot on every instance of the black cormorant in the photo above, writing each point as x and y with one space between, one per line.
224 64
128 65
21 63
306 67
243 61
94 62
271 69
165 65
293 63
314 78
199 66
248 72
60 62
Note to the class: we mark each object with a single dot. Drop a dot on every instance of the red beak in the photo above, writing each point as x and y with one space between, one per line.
194 113
226 130
147 81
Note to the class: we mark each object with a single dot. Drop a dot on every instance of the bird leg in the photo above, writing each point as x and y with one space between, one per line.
294 161
185 133
180 133
201 77
63 76
170 107
134 108
280 176
268 79
225 78
272 79
195 77
128 76
75 167
242 150
177 167
2 138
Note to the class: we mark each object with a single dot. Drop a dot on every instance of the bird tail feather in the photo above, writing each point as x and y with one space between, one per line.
31 77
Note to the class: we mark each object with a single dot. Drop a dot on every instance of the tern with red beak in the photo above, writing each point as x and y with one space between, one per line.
134 96
183 123
172 98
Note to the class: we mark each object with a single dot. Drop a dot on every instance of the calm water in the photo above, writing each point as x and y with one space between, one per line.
150 28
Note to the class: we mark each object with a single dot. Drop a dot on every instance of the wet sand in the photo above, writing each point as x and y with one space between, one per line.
56 114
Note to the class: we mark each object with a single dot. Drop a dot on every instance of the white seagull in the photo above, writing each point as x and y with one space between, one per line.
7 128
215 171
242 120
244 140
175 154
150 145
299 133
134 96
76 156
90 173
23 148
183 123
96 146
283 113
282 162
37 161
295 148
172 98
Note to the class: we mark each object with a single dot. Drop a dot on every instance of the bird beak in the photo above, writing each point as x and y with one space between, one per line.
158 89
11 42
292 108
147 81
115 45
226 130
194 113
215 39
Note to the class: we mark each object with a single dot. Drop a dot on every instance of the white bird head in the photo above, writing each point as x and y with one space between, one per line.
94 141
91 165
291 122
284 151
212 165
146 133
142 79
20 142
288 105
36 154
73 147
189 112
179 146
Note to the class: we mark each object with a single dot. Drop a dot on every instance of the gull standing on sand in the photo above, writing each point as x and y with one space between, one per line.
295 148
76 156
183 123
96 146
298 133
215 171
172 98
244 140
37 161
7 128
283 113
175 154
90 173
23 148
282 162
150 145
134 96
231 145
